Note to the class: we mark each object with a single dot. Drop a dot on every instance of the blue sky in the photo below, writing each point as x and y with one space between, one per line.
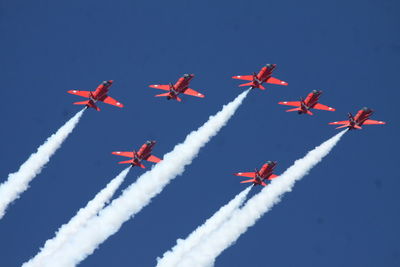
344 213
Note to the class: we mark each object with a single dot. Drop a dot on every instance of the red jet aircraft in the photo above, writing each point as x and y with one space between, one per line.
263 76
144 153
361 118
259 177
180 87
304 106
100 94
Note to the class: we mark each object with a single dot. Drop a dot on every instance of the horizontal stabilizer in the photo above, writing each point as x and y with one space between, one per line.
252 85
82 103
248 181
165 94
247 84
89 103
293 109
126 161
346 125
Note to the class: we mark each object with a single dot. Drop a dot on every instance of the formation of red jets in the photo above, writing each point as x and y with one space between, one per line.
258 177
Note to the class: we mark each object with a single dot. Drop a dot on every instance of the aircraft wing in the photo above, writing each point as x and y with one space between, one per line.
123 154
272 176
112 101
153 158
276 81
323 107
339 122
244 77
291 103
192 92
246 174
373 122
165 87
80 93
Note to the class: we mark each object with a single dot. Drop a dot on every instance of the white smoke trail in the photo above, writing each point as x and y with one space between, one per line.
139 194
172 257
206 253
18 182
79 220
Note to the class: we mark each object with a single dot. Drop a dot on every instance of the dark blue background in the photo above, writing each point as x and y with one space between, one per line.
344 213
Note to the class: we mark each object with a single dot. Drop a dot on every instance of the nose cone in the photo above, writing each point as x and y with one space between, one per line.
317 92
188 75
367 109
151 142
270 65
107 82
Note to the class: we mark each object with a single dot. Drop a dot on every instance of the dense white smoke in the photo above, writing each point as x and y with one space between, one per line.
18 182
172 257
78 221
139 194
206 252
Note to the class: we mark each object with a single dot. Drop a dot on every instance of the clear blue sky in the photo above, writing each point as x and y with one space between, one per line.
344 213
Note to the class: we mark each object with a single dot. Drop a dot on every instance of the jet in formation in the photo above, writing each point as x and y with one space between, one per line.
304 106
264 75
180 87
361 118
100 94
144 153
262 176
